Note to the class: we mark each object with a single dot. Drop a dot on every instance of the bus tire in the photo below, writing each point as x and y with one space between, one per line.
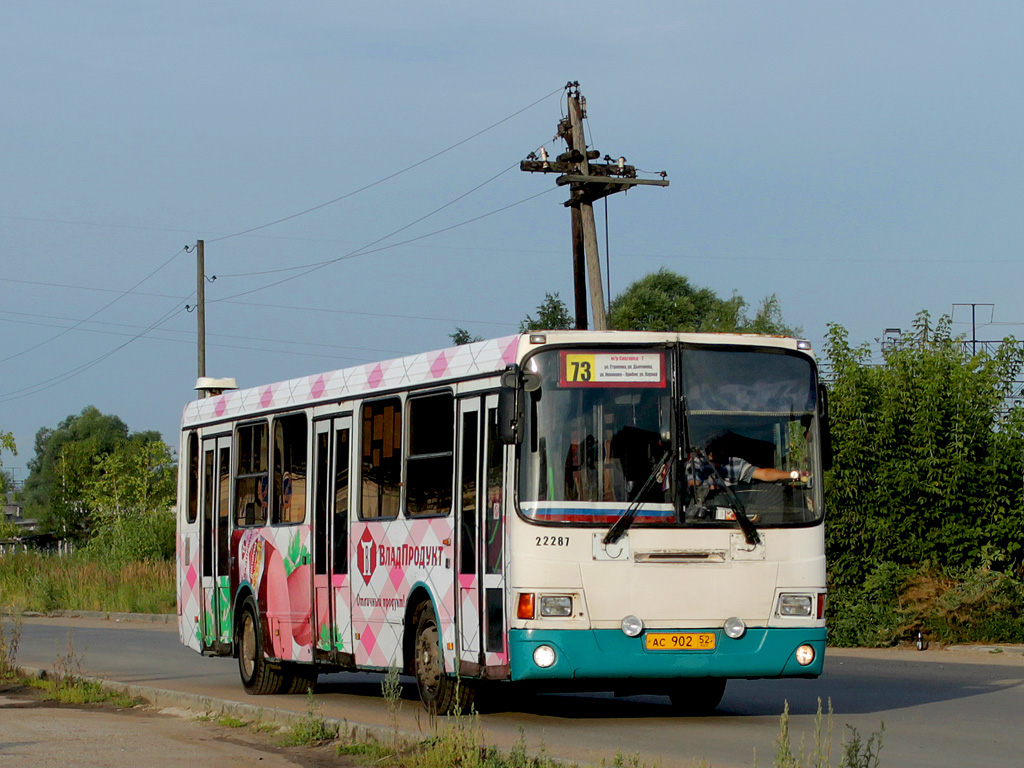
259 677
698 696
440 693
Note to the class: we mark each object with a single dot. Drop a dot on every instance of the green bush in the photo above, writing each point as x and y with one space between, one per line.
950 606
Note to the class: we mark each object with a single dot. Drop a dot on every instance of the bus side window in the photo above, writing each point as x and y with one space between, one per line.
251 480
341 462
192 508
289 469
467 556
429 464
381 459
492 511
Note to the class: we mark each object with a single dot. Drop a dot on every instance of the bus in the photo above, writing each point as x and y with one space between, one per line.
633 512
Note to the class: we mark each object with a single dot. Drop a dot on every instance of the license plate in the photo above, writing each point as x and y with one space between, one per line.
679 641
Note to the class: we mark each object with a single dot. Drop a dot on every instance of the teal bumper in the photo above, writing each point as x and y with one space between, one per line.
610 654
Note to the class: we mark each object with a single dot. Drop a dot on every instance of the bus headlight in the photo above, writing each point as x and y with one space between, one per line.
735 628
804 655
556 605
795 605
632 626
543 656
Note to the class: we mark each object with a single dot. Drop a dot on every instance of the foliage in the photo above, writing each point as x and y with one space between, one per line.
33 581
947 605
65 457
6 444
666 301
310 729
855 753
552 315
9 639
132 495
462 336
925 470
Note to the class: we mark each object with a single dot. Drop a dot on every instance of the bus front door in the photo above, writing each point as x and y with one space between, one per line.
331 587
481 579
215 546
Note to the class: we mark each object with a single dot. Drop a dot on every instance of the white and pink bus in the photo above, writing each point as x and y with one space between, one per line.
568 510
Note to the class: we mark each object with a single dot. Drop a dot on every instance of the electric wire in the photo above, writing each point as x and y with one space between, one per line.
390 176
109 304
381 239
60 378
289 307
362 252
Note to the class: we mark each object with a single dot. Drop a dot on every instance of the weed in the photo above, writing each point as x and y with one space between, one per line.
9 639
230 721
855 753
310 729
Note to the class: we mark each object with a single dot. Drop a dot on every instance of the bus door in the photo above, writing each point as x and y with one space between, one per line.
333 637
214 544
481 575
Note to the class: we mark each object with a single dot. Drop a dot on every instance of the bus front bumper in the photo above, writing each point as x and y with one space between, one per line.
610 654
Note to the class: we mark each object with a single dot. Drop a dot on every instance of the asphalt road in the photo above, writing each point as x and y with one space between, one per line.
939 707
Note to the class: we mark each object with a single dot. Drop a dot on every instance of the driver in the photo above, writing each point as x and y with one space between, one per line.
702 468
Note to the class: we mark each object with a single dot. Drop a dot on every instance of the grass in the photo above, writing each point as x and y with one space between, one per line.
31 581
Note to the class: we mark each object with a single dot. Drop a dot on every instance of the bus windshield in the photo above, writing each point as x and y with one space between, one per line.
602 420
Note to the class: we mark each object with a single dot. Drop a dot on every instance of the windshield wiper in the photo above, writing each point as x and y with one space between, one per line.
620 526
749 531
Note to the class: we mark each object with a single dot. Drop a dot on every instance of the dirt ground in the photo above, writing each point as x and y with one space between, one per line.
37 733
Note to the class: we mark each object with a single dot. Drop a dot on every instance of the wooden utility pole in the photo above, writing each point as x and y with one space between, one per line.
201 306
587 182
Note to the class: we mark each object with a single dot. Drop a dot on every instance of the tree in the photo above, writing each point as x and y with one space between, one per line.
6 444
552 315
65 458
462 336
667 301
131 496
927 465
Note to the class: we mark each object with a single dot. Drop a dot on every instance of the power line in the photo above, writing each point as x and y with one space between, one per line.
290 307
109 304
60 378
389 177
84 329
381 239
363 252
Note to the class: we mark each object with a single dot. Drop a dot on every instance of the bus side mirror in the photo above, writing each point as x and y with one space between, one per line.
825 428
510 407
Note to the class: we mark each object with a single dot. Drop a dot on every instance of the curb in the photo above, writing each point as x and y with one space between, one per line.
152 618
207 705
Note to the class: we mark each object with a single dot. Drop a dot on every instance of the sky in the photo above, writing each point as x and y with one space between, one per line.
861 161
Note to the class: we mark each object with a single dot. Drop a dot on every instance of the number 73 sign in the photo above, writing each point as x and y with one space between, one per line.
612 369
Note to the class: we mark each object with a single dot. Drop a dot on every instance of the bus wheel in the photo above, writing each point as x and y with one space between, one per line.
698 696
440 694
259 677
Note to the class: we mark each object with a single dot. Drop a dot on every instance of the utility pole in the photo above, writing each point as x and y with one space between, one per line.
201 306
587 182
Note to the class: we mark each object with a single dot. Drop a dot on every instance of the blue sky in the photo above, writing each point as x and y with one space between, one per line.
862 161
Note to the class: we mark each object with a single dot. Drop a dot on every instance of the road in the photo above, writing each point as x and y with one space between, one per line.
939 707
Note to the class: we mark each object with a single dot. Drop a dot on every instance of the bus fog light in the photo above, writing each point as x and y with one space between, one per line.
556 605
632 626
543 656
795 605
804 655
735 628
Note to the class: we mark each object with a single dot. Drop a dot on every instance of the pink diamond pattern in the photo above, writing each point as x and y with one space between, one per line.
440 366
267 397
509 355
221 406
376 376
318 388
